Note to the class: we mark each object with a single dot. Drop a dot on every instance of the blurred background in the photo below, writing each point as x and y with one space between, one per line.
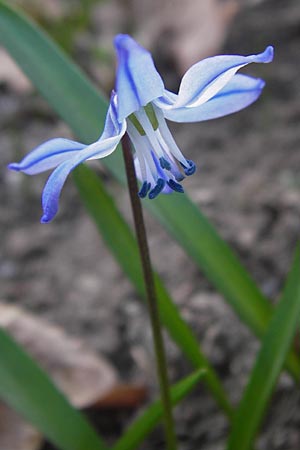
247 183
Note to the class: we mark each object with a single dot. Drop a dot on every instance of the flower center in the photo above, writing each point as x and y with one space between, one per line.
159 161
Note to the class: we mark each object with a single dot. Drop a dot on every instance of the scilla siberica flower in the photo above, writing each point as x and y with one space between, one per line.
140 106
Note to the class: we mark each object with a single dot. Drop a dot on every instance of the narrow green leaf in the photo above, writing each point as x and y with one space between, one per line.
144 424
59 80
78 102
268 364
219 264
122 244
27 389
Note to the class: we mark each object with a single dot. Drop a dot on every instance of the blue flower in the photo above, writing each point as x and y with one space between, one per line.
140 106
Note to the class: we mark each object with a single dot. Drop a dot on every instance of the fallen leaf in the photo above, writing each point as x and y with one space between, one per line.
200 30
87 379
49 9
123 396
12 75
80 373
15 433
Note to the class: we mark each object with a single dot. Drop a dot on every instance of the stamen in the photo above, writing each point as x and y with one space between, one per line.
178 176
137 124
150 132
167 138
164 163
175 186
191 169
157 189
151 115
144 189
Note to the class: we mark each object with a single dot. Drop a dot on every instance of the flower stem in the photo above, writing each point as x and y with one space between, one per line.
140 229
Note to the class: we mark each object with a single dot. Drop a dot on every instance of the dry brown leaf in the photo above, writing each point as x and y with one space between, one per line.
15 433
86 378
12 75
189 30
123 396
80 373
49 9
181 32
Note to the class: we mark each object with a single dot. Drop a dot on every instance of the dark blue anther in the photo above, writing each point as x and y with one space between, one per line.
175 186
157 189
164 164
144 189
191 169
179 176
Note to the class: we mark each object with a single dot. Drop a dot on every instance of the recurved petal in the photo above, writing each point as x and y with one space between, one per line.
240 92
112 126
206 78
48 155
54 185
138 81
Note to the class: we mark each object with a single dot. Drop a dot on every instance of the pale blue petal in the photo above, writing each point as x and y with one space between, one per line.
138 81
48 155
54 185
240 92
55 151
112 126
167 100
206 78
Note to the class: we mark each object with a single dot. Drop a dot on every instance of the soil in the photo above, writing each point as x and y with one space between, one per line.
248 184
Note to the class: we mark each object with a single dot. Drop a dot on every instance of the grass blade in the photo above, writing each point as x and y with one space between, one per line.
59 80
144 424
26 388
268 365
122 244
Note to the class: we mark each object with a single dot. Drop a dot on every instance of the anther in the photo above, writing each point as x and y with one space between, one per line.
144 189
191 169
175 186
164 164
178 176
157 189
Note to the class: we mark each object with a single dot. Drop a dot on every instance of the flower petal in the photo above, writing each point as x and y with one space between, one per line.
138 81
47 155
112 126
54 185
240 92
206 78
55 151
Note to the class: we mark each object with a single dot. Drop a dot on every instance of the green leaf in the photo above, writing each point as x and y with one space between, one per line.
60 81
219 264
268 364
122 244
77 101
144 424
27 389
214 256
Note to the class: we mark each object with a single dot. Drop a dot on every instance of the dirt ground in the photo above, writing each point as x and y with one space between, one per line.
248 184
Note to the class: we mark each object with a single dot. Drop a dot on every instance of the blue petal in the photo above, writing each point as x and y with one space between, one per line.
54 152
54 185
48 155
138 81
206 78
112 126
240 92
